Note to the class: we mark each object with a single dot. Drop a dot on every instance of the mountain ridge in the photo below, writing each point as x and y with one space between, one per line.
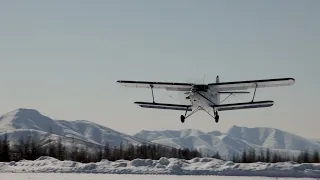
31 119
235 140
22 122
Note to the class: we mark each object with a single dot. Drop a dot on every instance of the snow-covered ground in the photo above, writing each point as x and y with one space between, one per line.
47 176
196 166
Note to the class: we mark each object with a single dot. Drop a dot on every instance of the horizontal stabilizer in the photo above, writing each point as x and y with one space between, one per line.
165 106
246 105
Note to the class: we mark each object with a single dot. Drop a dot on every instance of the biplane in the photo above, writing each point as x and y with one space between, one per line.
206 97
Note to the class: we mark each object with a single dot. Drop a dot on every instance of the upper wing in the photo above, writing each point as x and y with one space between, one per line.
160 85
165 106
243 85
246 105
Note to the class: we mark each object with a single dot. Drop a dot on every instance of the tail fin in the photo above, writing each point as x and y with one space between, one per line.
218 94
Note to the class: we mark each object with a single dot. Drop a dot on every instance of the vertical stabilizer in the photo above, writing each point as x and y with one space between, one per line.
218 94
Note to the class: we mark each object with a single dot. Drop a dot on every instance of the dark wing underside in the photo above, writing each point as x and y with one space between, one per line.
164 106
233 92
246 105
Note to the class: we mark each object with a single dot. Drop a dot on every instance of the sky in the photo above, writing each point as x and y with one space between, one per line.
63 58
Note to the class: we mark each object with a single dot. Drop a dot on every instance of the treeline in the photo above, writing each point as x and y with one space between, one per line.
31 150
251 156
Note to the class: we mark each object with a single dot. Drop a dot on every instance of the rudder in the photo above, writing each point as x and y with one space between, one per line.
218 94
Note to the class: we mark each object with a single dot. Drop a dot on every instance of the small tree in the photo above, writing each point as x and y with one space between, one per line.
5 149
217 155
60 150
262 159
275 158
315 157
106 151
252 155
268 155
244 157
306 157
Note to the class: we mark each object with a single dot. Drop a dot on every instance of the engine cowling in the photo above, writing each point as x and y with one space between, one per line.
200 87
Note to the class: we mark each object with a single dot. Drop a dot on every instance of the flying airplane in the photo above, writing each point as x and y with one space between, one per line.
206 97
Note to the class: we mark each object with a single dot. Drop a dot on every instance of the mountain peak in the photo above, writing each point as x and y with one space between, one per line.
238 131
24 118
27 111
191 132
21 112
215 133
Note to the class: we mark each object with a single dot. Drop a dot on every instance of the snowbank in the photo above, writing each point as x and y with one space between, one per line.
172 166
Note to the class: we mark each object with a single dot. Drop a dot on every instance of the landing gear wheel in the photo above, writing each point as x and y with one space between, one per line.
216 118
182 118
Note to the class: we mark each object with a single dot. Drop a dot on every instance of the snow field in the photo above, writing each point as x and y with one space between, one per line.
48 176
165 166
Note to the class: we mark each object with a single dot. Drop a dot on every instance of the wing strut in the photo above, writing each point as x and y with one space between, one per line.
152 92
183 117
226 98
255 89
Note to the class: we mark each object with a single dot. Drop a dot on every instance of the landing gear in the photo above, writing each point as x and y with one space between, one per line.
216 116
182 118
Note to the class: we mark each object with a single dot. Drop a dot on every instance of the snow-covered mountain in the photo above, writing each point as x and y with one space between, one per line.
22 123
235 141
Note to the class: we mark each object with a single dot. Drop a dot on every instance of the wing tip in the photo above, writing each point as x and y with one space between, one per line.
292 80
164 106
121 82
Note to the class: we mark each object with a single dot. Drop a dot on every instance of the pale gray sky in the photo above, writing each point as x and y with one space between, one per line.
63 58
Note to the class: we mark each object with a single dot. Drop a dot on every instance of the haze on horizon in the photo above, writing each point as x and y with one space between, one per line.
63 58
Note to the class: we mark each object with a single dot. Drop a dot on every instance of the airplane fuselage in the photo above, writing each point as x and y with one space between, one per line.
205 98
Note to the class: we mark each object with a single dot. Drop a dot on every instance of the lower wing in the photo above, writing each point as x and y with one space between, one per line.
246 105
165 106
